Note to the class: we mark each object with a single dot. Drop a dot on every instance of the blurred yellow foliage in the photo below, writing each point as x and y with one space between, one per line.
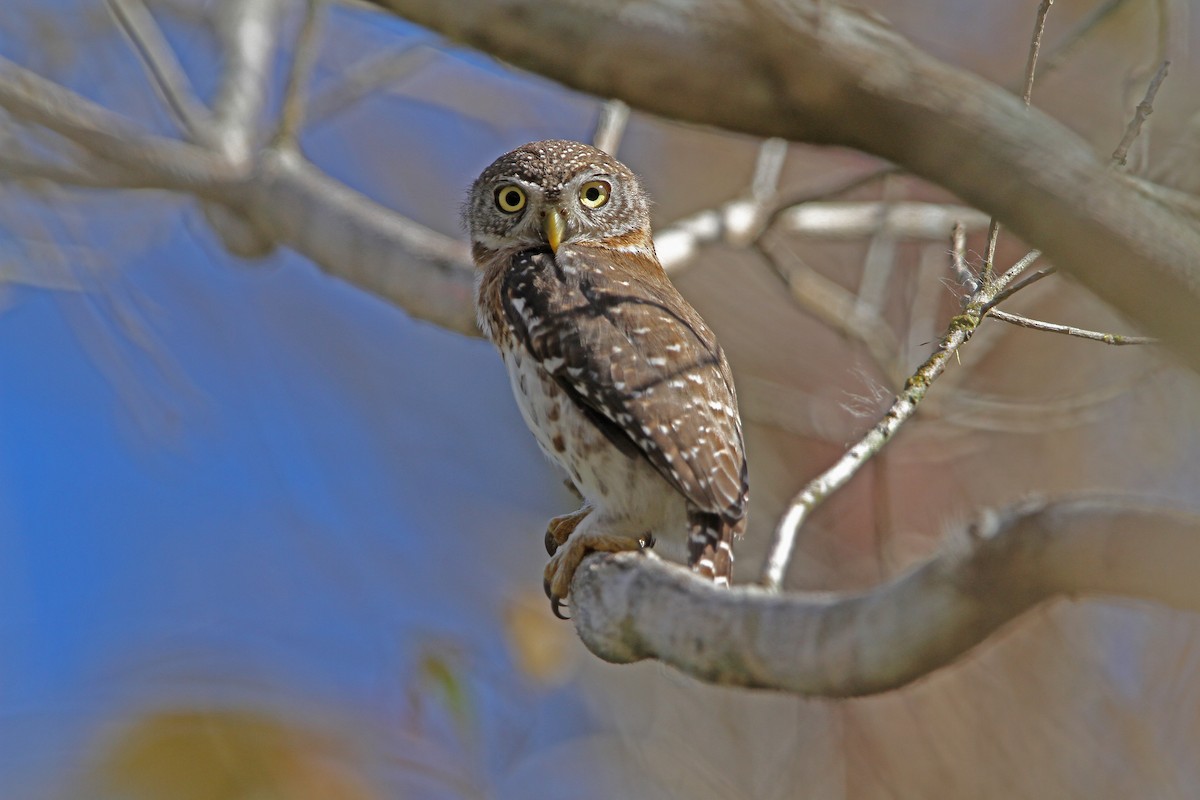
222 755
542 647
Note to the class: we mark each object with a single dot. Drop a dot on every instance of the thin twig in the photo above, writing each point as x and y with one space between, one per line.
960 330
1144 109
1069 330
292 116
1035 46
1021 284
1014 272
610 126
167 75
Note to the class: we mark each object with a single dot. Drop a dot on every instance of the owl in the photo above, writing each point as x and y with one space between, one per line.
618 378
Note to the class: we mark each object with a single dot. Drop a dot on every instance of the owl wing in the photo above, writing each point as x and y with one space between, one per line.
637 359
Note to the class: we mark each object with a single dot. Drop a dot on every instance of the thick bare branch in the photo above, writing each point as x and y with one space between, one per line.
148 159
249 32
86 173
824 74
358 240
740 222
631 607
856 220
610 126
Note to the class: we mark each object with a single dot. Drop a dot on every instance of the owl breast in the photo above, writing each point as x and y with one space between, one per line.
624 489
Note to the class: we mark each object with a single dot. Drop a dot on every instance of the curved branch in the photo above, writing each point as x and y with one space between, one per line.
629 607
823 74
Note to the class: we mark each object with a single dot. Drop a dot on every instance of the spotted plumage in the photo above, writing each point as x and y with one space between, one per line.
620 380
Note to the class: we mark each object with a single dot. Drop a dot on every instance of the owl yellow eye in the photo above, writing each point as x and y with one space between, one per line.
594 194
510 199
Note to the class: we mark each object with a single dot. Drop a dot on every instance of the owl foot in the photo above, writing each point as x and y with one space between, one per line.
556 579
559 528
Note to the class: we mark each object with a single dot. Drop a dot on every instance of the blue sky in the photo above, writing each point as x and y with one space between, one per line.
243 483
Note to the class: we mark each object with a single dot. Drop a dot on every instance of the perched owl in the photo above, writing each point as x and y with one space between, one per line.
619 379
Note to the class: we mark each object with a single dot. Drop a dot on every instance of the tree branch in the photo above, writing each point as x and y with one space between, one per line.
108 136
824 74
1068 330
165 71
249 33
1143 110
630 607
610 126
356 239
958 333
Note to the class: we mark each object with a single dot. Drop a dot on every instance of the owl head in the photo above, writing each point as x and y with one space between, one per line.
555 193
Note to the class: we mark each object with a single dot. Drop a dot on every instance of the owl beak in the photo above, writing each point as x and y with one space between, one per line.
554 226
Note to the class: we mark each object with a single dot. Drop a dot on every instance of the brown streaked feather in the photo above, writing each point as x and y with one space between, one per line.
630 351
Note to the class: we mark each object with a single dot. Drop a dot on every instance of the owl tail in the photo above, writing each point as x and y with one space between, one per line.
710 544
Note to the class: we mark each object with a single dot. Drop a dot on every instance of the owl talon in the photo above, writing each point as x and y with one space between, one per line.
648 541
555 603
556 578
559 529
